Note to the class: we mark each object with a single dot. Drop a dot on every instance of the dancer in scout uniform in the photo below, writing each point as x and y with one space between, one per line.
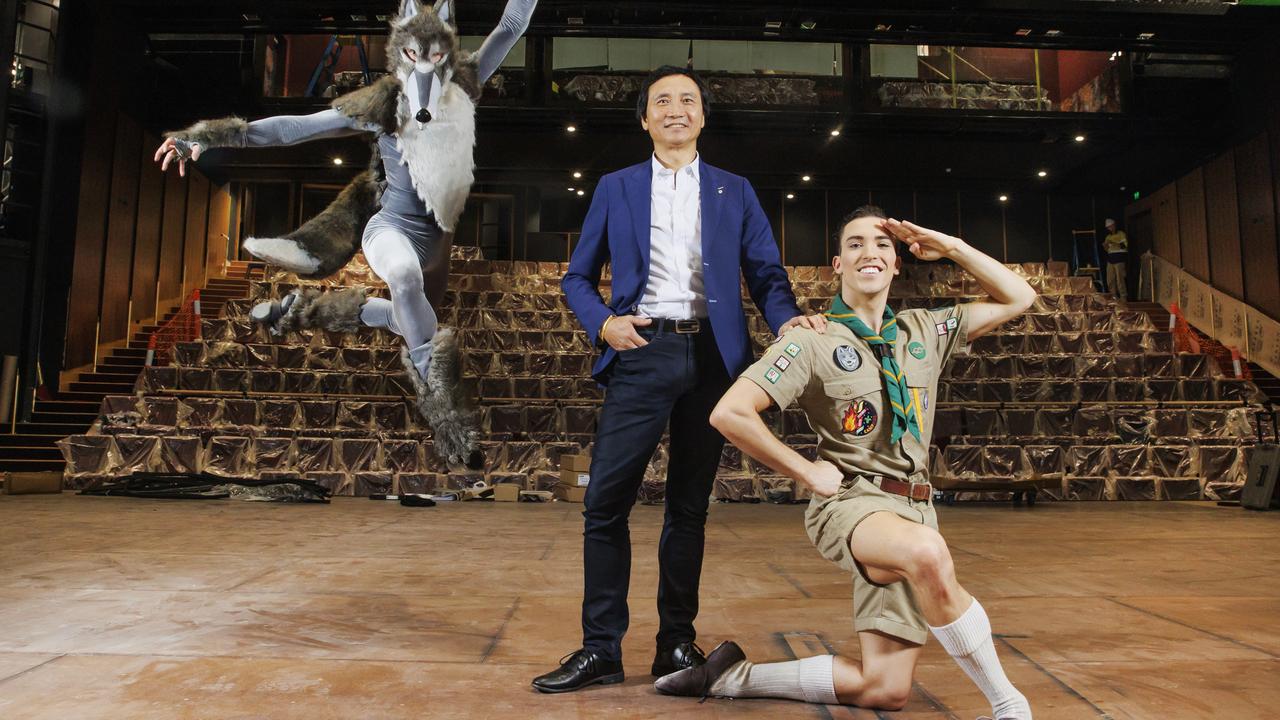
868 385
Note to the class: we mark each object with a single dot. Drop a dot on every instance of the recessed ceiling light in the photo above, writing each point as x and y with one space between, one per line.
576 174
881 27
1023 32
251 17
1052 33
571 128
948 169
383 18
1146 36
337 161
791 196
835 133
575 21
1004 198
805 178
1042 173
570 189
358 17
773 24
808 24
1122 188
581 193
1079 138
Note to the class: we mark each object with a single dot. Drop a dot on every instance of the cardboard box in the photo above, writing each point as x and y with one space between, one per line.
577 463
574 478
32 483
570 493
506 492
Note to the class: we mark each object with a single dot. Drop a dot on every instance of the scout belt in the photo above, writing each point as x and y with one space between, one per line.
914 490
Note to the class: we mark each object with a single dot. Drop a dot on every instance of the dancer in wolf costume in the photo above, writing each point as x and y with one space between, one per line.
403 213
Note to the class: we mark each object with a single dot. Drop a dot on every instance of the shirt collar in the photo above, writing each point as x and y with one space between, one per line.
693 169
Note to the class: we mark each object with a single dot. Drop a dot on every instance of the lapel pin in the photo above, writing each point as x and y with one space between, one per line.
720 190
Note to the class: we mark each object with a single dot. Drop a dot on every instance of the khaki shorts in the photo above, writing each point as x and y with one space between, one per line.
890 609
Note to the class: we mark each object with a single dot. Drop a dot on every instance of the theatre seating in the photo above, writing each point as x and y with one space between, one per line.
1089 398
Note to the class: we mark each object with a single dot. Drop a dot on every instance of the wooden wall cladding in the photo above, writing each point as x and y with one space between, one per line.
219 229
1222 225
172 234
1255 195
1164 216
193 253
122 219
146 244
1193 238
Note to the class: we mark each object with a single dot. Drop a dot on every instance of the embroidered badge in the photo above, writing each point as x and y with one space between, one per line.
916 350
782 363
792 349
942 328
772 375
952 324
847 359
859 419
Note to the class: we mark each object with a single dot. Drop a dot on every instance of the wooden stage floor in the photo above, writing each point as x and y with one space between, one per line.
122 608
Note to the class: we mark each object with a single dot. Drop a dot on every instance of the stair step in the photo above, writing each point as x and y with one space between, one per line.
29 440
70 406
82 419
102 387
59 429
19 452
31 465
107 377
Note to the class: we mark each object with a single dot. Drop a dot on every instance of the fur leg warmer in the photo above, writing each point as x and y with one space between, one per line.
336 310
442 402
222 132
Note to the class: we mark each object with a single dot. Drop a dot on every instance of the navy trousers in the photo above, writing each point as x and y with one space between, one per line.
675 380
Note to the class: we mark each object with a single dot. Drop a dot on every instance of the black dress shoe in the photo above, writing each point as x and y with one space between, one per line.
684 655
697 681
578 670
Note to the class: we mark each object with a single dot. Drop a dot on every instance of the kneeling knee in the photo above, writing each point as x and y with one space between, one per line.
886 696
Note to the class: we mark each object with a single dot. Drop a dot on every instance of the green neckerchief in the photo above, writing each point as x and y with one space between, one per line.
895 378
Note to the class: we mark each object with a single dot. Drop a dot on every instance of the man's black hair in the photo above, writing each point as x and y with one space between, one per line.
861 212
642 102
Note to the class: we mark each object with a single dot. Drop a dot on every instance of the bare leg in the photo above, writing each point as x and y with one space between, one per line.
882 680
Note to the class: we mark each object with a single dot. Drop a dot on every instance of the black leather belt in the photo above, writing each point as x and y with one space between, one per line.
679 327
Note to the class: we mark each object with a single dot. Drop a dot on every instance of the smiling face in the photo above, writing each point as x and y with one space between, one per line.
674 116
868 258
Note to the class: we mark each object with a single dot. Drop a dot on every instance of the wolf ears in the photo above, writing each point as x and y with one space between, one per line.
443 8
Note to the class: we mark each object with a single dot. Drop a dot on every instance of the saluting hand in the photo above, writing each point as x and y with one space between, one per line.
621 333
924 243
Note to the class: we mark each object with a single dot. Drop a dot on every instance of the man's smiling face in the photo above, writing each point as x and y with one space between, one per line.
868 257
674 115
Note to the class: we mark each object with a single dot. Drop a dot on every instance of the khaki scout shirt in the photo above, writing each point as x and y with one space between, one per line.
835 378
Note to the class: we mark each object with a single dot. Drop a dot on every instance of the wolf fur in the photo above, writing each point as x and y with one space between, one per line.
219 132
336 310
442 402
325 243
439 156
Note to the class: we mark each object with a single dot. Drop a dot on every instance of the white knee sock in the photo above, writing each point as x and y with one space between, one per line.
376 313
968 641
809 680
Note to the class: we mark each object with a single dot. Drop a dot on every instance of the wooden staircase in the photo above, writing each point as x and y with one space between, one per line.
31 446
1266 382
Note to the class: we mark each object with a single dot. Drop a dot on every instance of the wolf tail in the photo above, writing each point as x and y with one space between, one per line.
325 243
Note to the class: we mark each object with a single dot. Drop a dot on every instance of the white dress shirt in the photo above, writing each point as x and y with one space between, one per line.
674 288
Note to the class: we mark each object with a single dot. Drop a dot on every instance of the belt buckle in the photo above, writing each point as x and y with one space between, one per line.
687 327
927 490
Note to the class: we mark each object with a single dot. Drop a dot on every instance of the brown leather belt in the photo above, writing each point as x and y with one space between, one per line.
913 490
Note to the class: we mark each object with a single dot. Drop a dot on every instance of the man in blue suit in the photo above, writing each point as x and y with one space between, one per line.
680 235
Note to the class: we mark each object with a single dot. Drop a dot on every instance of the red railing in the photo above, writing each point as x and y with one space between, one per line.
184 326
1186 339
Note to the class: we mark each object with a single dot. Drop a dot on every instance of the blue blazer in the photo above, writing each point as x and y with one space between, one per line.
736 241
